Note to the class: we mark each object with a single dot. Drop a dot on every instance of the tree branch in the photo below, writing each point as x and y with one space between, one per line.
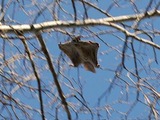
78 23
60 92
35 73
110 21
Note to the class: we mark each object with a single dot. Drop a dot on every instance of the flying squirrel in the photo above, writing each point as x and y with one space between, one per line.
81 52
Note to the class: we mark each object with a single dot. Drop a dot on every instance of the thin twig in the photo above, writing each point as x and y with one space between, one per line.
74 9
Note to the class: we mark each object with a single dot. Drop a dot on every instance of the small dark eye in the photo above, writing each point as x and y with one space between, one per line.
97 44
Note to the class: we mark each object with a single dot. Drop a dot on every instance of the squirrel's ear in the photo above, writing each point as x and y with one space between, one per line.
76 39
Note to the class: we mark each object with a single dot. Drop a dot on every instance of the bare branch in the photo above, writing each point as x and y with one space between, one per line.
46 53
89 22
78 23
35 73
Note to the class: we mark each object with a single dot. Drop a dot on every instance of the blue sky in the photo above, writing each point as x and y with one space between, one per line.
93 85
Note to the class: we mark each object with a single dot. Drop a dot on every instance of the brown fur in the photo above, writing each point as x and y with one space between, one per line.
82 52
